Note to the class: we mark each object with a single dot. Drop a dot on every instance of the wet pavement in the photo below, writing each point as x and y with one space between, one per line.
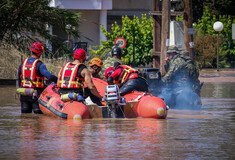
211 75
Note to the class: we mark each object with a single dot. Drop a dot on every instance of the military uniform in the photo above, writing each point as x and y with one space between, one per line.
182 70
109 62
181 80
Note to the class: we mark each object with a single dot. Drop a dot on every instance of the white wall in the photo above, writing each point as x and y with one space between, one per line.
177 34
93 14
103 20
83 4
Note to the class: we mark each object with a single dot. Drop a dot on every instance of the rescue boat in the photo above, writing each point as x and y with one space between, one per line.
51 104
138 104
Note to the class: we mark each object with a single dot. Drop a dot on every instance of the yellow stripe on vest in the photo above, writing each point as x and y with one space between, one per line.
62 82
126 71
31 76
24 69
71 77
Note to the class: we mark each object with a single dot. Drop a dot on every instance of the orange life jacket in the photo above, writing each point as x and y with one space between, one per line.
68 77
127 73
28 72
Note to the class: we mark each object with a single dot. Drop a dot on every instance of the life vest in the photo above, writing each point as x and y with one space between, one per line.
29 75
68 77
127 73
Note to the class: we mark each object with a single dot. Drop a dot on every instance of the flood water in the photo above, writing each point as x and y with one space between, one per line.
208 133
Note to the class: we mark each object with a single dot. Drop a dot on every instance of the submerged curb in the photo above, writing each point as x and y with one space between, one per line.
8 81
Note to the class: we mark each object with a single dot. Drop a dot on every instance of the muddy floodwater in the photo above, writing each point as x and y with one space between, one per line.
208 133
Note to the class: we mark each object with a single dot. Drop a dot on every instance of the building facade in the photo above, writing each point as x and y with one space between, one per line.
95 13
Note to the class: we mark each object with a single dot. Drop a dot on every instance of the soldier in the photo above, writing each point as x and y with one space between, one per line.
182 74
116 54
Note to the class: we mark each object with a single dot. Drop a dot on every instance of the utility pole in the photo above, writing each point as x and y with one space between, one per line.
161 31
188 20
156 35
165 32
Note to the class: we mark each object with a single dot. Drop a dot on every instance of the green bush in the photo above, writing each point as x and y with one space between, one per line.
206 40
143 30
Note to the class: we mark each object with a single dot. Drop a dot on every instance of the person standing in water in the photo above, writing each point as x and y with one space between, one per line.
31 75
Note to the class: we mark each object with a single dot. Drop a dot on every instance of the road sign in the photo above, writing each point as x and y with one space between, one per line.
120 41
191 31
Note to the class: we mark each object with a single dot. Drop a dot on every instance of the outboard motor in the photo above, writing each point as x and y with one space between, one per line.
112 98
153 77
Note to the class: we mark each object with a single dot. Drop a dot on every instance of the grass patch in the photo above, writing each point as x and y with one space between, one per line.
12 58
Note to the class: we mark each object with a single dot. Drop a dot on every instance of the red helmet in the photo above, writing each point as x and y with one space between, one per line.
108 72
37 47
79 54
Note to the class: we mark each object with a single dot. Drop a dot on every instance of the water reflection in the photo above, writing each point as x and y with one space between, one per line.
8 95
102 139
186 134
218 90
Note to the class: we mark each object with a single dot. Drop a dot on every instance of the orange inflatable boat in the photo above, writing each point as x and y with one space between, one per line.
138 104
51 104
